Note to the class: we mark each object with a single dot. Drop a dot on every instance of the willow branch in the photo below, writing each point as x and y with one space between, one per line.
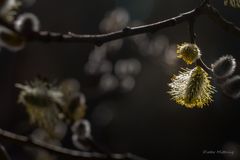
204 9
126 32
46 36
64 152
98 39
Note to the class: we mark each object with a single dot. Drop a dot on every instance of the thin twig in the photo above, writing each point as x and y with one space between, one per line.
226 25
191 30
65 152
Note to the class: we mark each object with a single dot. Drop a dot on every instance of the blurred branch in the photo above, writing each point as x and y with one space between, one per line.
228 26
68 153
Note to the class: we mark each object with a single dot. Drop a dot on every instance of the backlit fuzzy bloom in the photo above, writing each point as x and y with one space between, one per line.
8 8
27 22
11 40
41 100
188 52
224 66
74 101
192 88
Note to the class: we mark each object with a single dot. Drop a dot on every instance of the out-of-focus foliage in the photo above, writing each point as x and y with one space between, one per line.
10 39
232 3
47 104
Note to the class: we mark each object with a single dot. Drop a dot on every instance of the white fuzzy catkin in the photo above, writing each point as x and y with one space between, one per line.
82 128
224 66
232 87
10 40
27 22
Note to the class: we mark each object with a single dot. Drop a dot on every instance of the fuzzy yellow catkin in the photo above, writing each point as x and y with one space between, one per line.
11 40
188 52
40 101
232 3
192 88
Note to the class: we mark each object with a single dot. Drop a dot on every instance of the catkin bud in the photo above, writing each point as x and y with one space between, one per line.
75 101
69 87
224 66
27 22
77 106
82 128
9 8
7 5
3 153
81 134
232 87
11 40
188 52
41 101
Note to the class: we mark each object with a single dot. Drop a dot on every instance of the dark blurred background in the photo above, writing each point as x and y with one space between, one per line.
144 120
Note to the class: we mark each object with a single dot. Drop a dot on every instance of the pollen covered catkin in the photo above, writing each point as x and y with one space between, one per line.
192 88
188 52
